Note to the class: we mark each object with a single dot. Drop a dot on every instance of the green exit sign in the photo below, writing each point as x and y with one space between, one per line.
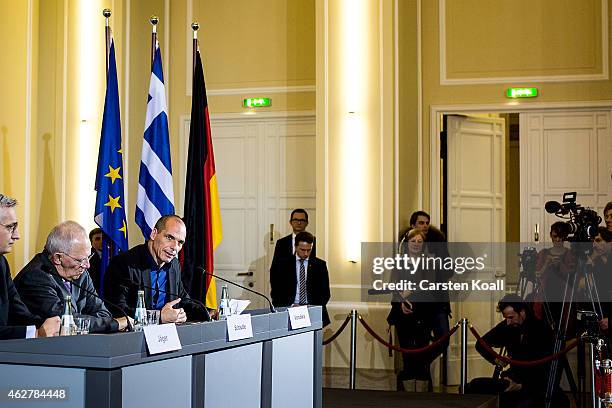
256 102
521 92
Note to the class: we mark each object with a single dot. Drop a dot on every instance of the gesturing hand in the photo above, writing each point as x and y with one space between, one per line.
172 315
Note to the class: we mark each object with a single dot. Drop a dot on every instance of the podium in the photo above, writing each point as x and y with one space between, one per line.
276 368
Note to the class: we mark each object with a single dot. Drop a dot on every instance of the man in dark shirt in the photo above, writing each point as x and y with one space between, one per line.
154 268
16 321
524 338
95 238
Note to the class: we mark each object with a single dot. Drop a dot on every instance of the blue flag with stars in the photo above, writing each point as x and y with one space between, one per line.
110 204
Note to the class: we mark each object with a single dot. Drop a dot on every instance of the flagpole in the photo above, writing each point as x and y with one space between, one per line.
153 20
195 27
107 13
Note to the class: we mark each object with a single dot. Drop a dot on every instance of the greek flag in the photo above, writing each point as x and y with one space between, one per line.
155 189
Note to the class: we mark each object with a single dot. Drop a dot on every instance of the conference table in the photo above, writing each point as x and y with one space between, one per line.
277 367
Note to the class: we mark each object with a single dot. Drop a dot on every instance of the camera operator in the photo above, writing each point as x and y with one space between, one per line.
553 266
525 338
601 267
608 216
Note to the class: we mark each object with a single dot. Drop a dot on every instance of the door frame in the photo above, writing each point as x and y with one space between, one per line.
435 127
246 117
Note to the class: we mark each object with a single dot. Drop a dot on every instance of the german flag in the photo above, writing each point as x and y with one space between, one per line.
202 213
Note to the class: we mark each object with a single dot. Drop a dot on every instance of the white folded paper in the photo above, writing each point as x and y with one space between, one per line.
237 306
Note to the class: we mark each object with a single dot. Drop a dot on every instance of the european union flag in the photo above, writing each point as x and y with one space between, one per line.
110 204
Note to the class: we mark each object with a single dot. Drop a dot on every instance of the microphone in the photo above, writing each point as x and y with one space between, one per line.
205 272
552 207
52 271
195 301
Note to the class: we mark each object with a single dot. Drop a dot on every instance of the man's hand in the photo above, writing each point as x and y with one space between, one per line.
512 386
501 363
603 323
407 307
123 322
49 328
171 315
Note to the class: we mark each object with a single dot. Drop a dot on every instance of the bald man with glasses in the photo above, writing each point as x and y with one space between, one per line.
60 270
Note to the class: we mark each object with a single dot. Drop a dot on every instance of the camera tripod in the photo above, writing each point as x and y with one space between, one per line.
528 275
561 329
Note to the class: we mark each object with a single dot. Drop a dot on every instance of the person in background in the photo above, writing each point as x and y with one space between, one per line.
95 238
301 279
286 246
525 338
608 216
553 266
410 316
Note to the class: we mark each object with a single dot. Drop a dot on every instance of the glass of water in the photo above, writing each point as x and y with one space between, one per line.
153 317
81 325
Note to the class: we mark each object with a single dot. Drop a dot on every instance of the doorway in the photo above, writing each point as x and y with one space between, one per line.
547 151
264 167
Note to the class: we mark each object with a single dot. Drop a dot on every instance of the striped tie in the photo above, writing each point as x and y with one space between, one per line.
302 283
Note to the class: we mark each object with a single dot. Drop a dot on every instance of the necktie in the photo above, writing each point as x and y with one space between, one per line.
302 283
68 286
156 291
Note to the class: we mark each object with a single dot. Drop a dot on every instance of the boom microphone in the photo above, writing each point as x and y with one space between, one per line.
205 272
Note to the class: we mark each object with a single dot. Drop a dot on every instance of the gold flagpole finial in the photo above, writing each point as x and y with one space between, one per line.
154 20
106 13
195 26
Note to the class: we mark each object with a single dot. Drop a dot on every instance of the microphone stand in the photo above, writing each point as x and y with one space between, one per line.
205 272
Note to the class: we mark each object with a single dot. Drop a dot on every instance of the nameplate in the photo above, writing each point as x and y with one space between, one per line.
161 338
299 317
239 327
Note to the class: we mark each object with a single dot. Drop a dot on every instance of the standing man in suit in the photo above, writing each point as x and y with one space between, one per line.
154 268
60 270
301 279
286 246
16 321
95 238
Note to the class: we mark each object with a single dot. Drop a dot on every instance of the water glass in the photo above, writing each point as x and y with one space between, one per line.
153 317
81 325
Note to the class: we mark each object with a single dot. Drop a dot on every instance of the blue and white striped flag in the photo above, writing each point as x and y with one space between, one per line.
155 189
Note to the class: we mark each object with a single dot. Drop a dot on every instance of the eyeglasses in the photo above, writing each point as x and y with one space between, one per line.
299 220
11 227
81 262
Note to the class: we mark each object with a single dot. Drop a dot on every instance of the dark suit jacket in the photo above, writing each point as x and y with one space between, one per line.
14 314
283 283
284 248
94 269
131 270
43 291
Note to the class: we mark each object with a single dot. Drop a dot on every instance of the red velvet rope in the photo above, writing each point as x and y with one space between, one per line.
336 334
522 363
434 344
